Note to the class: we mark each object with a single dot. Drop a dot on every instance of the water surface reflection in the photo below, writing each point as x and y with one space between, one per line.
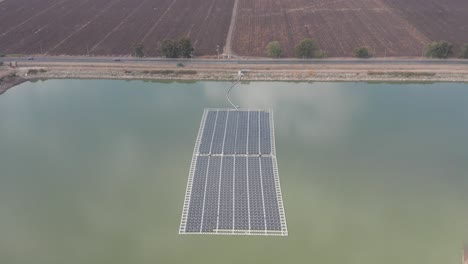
95 172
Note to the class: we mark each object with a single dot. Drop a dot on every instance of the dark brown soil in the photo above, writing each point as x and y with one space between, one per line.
111 27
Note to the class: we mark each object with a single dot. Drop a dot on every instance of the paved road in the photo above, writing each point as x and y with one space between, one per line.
235 61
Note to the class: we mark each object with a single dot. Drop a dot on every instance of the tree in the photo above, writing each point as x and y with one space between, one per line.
320 54
441 49
170 48
464 51
361 52
306 49
273 49
185 48
138 50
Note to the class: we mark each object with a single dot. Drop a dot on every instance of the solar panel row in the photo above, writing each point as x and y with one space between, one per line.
233 193
236 132
233 185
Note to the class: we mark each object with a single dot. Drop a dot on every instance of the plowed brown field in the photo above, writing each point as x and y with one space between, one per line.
438 20
110 27
387 27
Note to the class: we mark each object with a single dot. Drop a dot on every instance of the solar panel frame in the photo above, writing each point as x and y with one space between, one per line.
280 230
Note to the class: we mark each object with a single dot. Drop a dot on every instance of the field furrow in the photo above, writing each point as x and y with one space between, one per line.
112 27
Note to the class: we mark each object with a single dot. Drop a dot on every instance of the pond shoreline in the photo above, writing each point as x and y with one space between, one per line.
9 80
30 71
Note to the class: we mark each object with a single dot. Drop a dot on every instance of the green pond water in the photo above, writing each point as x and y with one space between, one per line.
95 171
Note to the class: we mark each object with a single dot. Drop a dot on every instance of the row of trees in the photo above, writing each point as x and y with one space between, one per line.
444 49
437 49
170 48
307 48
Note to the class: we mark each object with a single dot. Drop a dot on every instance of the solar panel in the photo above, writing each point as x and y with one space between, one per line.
233 186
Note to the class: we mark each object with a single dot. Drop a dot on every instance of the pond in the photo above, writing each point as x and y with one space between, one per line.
95 171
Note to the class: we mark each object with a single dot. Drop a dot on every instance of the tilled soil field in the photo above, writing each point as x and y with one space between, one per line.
438 20
337 26
112 27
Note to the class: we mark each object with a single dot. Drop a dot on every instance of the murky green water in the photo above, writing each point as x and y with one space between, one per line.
95 172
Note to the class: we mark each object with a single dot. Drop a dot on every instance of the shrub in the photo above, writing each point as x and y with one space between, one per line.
1 63
402 74
441 49
361 52
163 72
169 48
320 54
186 72
464 51
273 49
42 70
180 65
306 49
185 47
32 71
138 50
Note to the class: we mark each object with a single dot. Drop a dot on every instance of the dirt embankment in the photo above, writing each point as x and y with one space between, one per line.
9 79
228 72
254 72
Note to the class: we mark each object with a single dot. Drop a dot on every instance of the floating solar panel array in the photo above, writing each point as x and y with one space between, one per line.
233 186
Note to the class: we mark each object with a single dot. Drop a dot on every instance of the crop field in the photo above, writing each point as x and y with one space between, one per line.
438 20
387 28
337 26
112 27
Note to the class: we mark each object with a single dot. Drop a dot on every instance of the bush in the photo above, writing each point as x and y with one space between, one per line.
2 55
185 47
464 51
320 54
361 52
169 48
441 49
1 63
273 49
32 71
186 72
162 72
138 50
180 65
402 74
306 49
166 72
